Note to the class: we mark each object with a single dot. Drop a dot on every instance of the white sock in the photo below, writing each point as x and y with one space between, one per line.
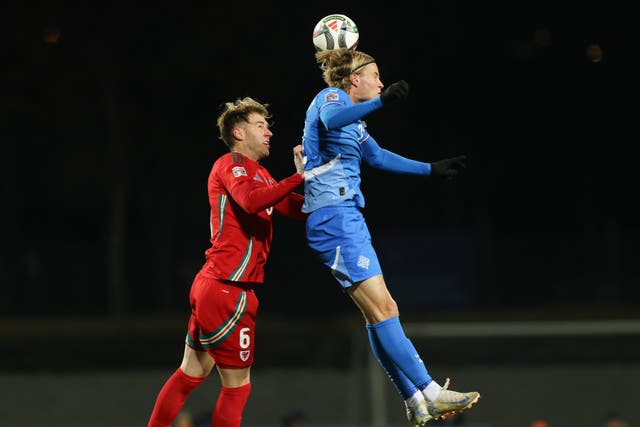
432 391
415 400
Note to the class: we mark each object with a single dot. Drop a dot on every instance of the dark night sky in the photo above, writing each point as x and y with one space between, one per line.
117 120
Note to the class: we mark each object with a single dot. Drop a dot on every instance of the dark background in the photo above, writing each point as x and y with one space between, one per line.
110 135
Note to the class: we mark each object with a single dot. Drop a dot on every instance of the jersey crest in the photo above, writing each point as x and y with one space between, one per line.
239 171
331 96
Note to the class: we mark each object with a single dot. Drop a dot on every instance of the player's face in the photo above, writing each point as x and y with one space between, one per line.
369 85
256 137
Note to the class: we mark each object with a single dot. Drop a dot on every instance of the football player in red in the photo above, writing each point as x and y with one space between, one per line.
243 198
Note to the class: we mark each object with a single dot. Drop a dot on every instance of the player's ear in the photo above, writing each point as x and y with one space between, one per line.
354 79
237 133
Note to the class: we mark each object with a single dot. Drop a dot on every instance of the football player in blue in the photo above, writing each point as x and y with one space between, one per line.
335 143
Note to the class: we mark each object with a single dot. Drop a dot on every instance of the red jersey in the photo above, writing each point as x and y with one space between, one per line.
243 197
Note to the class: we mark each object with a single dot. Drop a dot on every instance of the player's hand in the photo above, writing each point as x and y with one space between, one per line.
396 92
299 159
448 168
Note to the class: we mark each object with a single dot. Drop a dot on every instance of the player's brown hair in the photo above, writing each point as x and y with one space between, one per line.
236 112
338 64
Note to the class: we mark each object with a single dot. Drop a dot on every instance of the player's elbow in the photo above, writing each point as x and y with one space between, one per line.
250 206
252 210
375 161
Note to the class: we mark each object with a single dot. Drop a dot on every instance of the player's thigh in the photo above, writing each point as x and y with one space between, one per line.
223 323
196 363
341 239
234 377
373 299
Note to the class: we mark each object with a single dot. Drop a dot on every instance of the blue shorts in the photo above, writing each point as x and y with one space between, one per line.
340 237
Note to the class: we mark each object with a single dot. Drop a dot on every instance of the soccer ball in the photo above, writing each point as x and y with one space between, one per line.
334 32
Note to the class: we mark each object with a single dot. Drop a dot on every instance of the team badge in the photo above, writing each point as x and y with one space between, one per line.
239 171
244 355
331 96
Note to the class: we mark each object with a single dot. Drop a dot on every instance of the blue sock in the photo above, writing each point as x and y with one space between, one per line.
396 347
404 386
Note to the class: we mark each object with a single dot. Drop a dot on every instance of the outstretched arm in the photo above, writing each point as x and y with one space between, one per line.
335 116
381 158
254 197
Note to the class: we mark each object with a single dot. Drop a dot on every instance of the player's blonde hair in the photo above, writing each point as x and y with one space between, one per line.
236 112
338 64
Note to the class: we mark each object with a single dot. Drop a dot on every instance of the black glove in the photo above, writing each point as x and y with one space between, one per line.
448 168
396 92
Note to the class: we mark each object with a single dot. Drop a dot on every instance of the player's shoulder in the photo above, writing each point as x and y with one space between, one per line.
234 163
331 94
232 158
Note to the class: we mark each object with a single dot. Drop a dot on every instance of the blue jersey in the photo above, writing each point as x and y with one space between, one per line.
332 171
335 141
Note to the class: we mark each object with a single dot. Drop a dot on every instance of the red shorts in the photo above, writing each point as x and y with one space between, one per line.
222 322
